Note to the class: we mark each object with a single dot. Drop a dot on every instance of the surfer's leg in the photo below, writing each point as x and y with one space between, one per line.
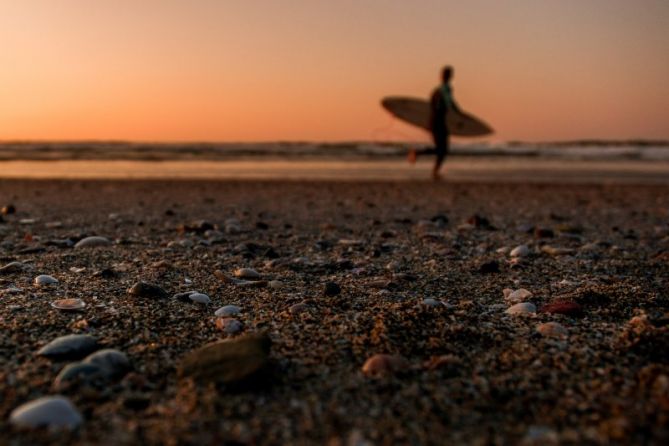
441 148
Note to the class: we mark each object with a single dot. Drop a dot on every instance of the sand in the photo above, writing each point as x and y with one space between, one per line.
472 373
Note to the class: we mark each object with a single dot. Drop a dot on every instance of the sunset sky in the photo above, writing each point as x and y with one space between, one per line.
227 70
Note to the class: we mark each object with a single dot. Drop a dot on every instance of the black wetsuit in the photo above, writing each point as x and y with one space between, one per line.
439 109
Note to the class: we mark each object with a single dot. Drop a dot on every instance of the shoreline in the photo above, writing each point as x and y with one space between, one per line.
456 170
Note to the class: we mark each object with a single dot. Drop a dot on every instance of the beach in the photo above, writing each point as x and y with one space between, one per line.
345 270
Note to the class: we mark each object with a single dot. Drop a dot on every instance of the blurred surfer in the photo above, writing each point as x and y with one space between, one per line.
440 103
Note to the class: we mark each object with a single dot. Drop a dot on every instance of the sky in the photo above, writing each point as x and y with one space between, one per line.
315 70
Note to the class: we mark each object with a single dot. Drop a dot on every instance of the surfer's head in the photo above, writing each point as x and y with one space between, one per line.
446 73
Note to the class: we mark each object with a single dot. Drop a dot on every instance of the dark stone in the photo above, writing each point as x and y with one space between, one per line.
262 225
69 347
489 267
543 233
331 289
148 290
7 210
480 222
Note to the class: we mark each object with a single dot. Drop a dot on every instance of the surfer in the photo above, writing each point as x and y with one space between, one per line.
440 102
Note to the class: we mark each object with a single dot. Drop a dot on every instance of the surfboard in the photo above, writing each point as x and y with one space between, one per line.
417 112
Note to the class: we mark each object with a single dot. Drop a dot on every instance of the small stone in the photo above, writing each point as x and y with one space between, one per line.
229 325
521 308
298 308
553 251
92 242
489 267
74 346
45 280
227 311
331 289
520 251
49 411
517 296
147 290
544 233
227 361
429 302
11 268
112 363
76 372
275 284
565 307
552 329
247 273
8 209
381 365
200 298
69 304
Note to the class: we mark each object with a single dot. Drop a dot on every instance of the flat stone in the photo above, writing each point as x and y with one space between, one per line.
92 242
516 296
247 273
73 346
565 307
229 325
45 280
49 411
76 372
147 290
381 365
227 361
200 298
552 329
227 311
521 308
113 363
11 268
430 302
520 251
69 304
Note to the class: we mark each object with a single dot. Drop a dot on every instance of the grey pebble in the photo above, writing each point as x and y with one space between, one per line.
48 411
113 363
92 242
228 310
45 280
74 346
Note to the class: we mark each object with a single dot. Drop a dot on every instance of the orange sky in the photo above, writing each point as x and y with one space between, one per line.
227 70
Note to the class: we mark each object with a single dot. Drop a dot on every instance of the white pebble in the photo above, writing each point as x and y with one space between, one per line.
200 298
521 308
520 251
49 411
228 310
517 296
247 273
45 280
92 242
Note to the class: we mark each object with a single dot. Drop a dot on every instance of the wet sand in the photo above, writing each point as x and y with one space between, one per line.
472 374
459 169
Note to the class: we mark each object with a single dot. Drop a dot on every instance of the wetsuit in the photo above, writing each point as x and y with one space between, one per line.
439 104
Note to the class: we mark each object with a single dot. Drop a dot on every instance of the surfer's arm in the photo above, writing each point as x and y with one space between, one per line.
454 105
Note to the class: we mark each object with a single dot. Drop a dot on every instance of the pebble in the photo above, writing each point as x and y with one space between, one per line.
73 346
232 226
227 311
331 289
521 308
13 267
298 308
75 372
552 329
92 242
112 363
520 251
227 361
148 290
8 209
429 302
553 251
489 267
229 325
45 280
200 298
565 307
69 304
49 411
275 284
517 296
247 273
380 365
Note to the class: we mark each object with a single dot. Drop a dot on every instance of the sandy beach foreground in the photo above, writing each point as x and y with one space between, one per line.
345 271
